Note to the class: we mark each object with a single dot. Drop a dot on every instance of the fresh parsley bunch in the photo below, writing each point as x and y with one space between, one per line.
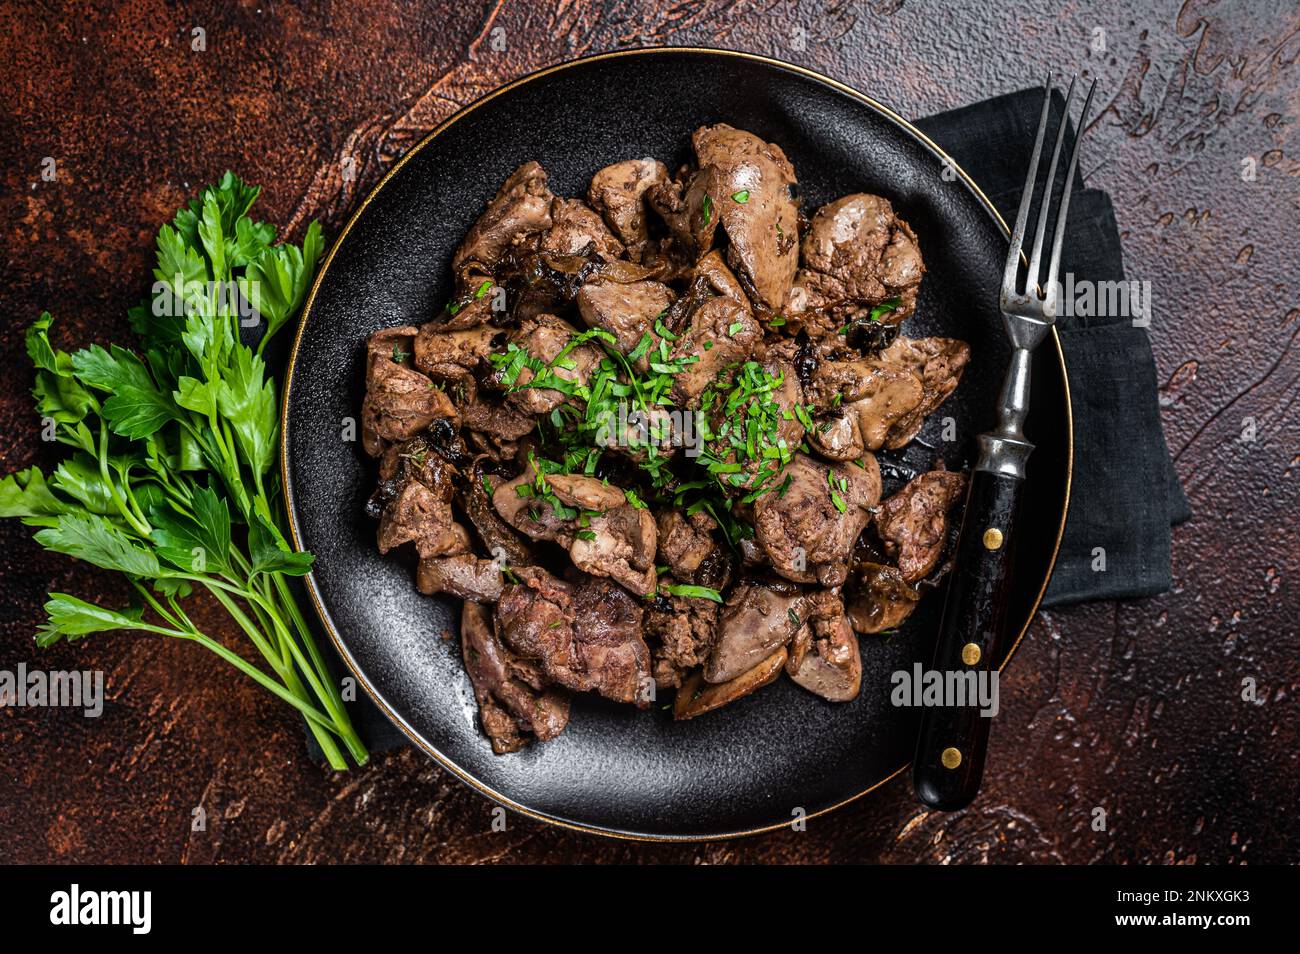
170 481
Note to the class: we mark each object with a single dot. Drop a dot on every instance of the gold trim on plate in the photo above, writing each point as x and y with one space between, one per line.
302 324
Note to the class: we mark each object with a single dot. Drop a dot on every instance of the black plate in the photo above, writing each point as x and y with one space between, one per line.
615 770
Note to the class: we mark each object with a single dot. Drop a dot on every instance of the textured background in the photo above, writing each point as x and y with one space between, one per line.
1132 707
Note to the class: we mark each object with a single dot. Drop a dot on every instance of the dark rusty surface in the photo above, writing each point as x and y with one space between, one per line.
1135 708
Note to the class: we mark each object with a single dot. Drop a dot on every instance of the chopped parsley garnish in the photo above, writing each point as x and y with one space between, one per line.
399 355
662 331
689 589
742 196
744 449
737 424
642 348
884 308
837 484
707 206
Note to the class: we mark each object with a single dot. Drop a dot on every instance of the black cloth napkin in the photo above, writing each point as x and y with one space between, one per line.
1125 493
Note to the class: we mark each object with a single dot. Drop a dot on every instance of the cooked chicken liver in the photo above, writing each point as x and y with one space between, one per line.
633 397
544 337
879 598
628 312
681 631
913 523
585 636
464 576
451 355
697 697
758 617
513 703
576 229
520 209
618 193
685 540
400 401
685 205
829 662
753 190
808 531
857 252
937 363
416 493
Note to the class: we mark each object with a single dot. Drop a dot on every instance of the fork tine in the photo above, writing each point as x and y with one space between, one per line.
1026 199
1065 197
1036 259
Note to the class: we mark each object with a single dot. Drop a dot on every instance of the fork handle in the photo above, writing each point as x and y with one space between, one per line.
950 752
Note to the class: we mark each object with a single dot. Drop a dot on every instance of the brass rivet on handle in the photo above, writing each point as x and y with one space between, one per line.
992 538
970 654
950 758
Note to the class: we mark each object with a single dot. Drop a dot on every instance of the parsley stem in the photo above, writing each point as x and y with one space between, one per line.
295 696
314 715
130 497
265 620
176 608
157 607
180 497
254 634
138 523
334 700
318 676
285 669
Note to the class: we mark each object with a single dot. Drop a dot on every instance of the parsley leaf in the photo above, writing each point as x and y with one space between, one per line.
25 494
247 400
884 308
70 618
270 555
96 539
199 544
690 589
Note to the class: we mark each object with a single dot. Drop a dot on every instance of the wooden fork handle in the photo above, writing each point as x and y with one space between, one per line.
949 761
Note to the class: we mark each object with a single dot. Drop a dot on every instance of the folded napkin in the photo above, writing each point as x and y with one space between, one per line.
1125 494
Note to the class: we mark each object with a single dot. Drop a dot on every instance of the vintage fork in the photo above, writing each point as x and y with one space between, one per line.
950 752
